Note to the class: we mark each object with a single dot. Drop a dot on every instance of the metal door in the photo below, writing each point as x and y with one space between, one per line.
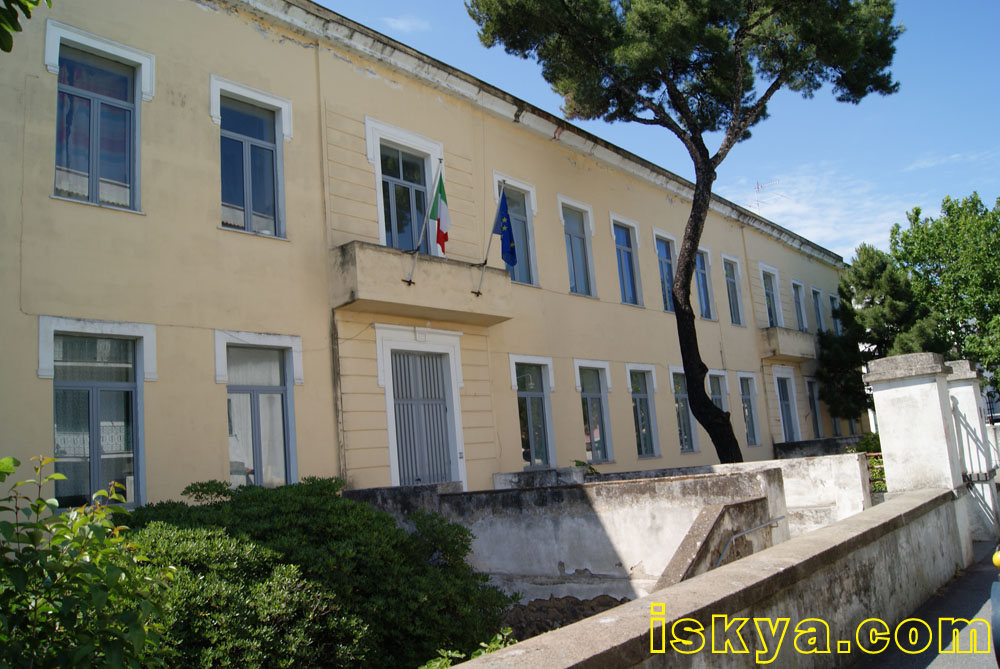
420 399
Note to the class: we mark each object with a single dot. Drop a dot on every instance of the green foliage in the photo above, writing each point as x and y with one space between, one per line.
445 657
404 594
869 443
954 264
10 21
208 492
72 593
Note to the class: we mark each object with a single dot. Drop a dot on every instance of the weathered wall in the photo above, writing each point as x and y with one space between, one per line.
882 563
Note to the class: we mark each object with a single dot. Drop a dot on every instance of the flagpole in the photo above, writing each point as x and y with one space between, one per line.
423 228
479 291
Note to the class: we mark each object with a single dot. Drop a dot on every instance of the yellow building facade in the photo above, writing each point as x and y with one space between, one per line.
203 271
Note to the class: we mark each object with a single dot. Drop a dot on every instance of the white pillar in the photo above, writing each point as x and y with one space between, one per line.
974 446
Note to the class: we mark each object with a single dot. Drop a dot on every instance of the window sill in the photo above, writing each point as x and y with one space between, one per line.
630 304
98 205
252 234
590 297
654 456
693 451
600 462
526 285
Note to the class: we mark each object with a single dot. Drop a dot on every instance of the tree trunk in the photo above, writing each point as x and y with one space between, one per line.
715 421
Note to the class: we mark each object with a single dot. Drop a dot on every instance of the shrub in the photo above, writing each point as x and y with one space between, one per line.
869 443
71 591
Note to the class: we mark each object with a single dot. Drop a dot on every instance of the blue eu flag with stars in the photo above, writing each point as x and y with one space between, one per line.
501 226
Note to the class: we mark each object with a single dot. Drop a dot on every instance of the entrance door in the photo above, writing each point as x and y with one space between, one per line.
420 392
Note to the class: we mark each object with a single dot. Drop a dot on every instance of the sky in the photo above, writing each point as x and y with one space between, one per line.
835 173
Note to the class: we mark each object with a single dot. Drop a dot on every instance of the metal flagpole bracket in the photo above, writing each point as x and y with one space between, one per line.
423 229
479 291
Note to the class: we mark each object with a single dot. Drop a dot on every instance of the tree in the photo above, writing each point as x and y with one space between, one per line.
696 67
954 264
10 21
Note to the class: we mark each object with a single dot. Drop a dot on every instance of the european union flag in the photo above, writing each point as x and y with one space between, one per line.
501 226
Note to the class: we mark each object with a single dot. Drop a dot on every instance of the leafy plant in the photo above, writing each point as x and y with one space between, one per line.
10 21
71 592
208 492
445 657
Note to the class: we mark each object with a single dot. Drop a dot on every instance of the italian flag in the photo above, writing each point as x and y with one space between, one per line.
439 212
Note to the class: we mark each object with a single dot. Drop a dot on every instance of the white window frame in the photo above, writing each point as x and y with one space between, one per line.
821 325
676 369
532 211
651 390
548 386
144 336
588 221
725 386
57 34
786 372
389 338
739 287
633 230
756 405
708 281
672 241
226 338
769 269
433 152
805 309
604 369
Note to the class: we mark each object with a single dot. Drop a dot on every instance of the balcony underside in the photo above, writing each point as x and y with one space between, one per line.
786 345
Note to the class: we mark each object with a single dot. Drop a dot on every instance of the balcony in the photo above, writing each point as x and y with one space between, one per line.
369 277
786 345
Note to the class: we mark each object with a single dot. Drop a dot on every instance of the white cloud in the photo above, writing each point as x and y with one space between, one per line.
407 24
931 160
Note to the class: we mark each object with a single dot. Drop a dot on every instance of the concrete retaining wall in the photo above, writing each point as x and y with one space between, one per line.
881 563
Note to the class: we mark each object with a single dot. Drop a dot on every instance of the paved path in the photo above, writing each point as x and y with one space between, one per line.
967 597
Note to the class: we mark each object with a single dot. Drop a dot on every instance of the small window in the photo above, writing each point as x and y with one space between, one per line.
732 270
834 306
798 297
685 419
785 387
626 264
520 221
249 158
748 397
817 298
703 283
812 390
531 400
577 252
642 413
770 299
717 390
594 399
404 199
95 130
665 257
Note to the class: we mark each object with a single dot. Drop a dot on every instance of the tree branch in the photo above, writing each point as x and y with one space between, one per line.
736 129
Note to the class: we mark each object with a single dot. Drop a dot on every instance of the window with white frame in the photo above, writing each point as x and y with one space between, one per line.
748 398
798 299
838 329
703 282
717 390
784 386
593 383
642 385
772 299
577 221
665 259
731 267
531 402
101 85
685 419
812 391
253 127
520 224
628 271
817 300
99 370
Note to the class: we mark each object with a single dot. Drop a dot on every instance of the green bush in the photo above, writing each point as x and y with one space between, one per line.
71 591
869 443
413 593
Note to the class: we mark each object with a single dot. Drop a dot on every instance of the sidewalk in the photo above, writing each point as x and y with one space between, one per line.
966 597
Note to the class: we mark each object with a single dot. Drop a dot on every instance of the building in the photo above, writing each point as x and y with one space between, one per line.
201 274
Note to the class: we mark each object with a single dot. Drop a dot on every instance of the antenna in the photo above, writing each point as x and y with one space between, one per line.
759 187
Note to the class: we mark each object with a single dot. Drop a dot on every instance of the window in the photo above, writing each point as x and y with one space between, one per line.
852 425
258 410
592 382
798 297
817 298
685 420
521 227
772 301
836 426
627 275
701 278
834 305
576 223
812 390
717 389
531 400
665 257
732 271
748 397
642 385
253 127
95 407
784 383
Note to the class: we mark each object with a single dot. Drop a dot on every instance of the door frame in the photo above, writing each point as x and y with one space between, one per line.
389 338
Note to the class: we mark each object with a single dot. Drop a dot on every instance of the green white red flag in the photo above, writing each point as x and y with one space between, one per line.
439 212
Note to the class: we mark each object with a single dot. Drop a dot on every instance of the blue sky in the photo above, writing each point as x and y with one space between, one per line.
835 173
